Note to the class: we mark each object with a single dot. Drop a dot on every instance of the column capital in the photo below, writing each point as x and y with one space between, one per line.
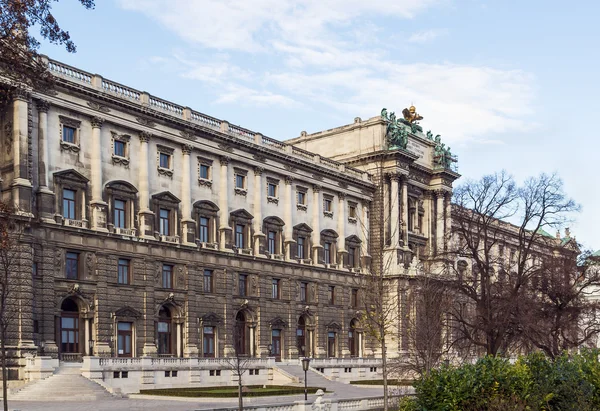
258 170
427 194
316 188
394 176
341 195
144 136
289 180
97 122
439 193
20 94
186 149
42 106
224 160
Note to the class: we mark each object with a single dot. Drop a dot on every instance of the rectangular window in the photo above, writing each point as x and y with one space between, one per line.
164 222
301 197
240 181
119 214
165 160
209 342
119 148
303 292
68 134
167 276
239 235
275 292
242 285
327 204
69 204
327 253
123 271
124 339
352 211
331 294
300 250
351 257
354 299
208 281
203 230
72 266
271 242
204 171
272 190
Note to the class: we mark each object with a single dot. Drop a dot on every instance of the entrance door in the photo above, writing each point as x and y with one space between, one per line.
124 338
276 341
69 333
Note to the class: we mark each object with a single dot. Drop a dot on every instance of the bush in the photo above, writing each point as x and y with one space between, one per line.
231 391
570 382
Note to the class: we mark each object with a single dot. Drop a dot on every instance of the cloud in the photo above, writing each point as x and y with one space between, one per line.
426 36
332 56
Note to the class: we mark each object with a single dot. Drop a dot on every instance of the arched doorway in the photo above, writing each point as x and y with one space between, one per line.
69 327
240 335
164 331
301 337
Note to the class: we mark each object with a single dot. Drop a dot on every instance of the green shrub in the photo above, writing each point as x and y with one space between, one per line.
230 392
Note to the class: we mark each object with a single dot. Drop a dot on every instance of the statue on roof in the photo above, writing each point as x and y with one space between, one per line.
411 115
396 133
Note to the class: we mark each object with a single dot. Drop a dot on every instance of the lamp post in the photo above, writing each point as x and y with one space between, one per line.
305 362
270 348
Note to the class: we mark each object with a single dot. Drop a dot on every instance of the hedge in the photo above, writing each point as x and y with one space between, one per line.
230 392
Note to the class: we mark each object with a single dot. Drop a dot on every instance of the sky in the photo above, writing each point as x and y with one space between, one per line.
508 84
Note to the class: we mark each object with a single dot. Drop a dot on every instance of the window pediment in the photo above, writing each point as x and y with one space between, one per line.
121 187
241 214
211 319
70 176
334 326
303 228
353 240
128 312
277 323
166 197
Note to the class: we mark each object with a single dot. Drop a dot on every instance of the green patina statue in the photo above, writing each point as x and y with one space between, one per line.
396 133
442 156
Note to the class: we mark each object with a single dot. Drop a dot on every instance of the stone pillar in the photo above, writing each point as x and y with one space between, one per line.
394 211
448 219
316 234
178 352
146 216
252 333
439 219
21 186
224 203
188 229
87 338
259 195
426 229
45 203
405 212
288 212
364 228
98 206
341 228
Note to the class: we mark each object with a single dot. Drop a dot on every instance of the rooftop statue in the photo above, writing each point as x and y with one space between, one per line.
396 133
442 155
411 115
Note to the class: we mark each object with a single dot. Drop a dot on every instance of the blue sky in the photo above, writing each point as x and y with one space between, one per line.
508 84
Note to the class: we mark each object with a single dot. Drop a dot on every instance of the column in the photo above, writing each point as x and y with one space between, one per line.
394 210
188 235
341 245
86 341
405 212
316 234
288 212
21 186
259 195
224 203
252 331
360 345
427 219
439 217
364 229
45 203
97 205
448 218
178 328
146 216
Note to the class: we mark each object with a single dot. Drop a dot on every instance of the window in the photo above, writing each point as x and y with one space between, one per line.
301 197
164 336
72 266
119 214
352 211
167 276
327 253
327 204
124 338
164 222
205 171
272 190
123 271
119 148
240 181
68 134
208 281
271 242
275 291
208 342
331 294
203 230
331 344
351 257
165 160
242 285
239 236
303 292
69 204
300 251
354 298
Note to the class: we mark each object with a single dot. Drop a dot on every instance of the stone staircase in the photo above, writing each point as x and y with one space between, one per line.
66 384
315 379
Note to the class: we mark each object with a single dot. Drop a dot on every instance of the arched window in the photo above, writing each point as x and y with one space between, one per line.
240 339
69 327
352 258
165 206
71 198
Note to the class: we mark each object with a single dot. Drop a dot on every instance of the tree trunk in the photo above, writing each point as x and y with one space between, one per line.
4 370
385 377
240 392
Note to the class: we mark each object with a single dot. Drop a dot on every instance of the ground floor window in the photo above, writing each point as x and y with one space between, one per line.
209 342
276 344
331 344
124 339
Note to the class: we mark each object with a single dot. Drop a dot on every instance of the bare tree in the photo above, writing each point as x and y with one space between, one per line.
491 299
238 364
19 61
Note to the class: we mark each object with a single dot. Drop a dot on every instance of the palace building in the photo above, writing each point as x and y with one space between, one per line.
152 227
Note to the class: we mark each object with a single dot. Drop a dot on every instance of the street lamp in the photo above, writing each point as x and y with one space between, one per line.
270 347
305 362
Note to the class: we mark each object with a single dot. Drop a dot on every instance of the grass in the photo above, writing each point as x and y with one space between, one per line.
230 392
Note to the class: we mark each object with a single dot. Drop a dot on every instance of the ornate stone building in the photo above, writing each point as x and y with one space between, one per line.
154 227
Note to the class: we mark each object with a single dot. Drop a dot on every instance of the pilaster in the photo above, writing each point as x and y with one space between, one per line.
21 186
188 234
45 197
146 216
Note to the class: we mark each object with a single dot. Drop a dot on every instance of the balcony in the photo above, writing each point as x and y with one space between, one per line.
212 246
173 239
130 232
279 257
75 223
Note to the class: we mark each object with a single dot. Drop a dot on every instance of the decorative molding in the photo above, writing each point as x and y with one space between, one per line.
121 137
289 180
316 188
165 172
240 171
98 107
145 122
188 135
74 148
165 149
259 157
352 220
225 147
343 184
70 122
317 177
8 135
118 160
20 94
241 191
224 160
302 207
341 195
328 214
144 136
257 170
186 149
204 182
273 200
204 160
290 168
43 106
97 122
